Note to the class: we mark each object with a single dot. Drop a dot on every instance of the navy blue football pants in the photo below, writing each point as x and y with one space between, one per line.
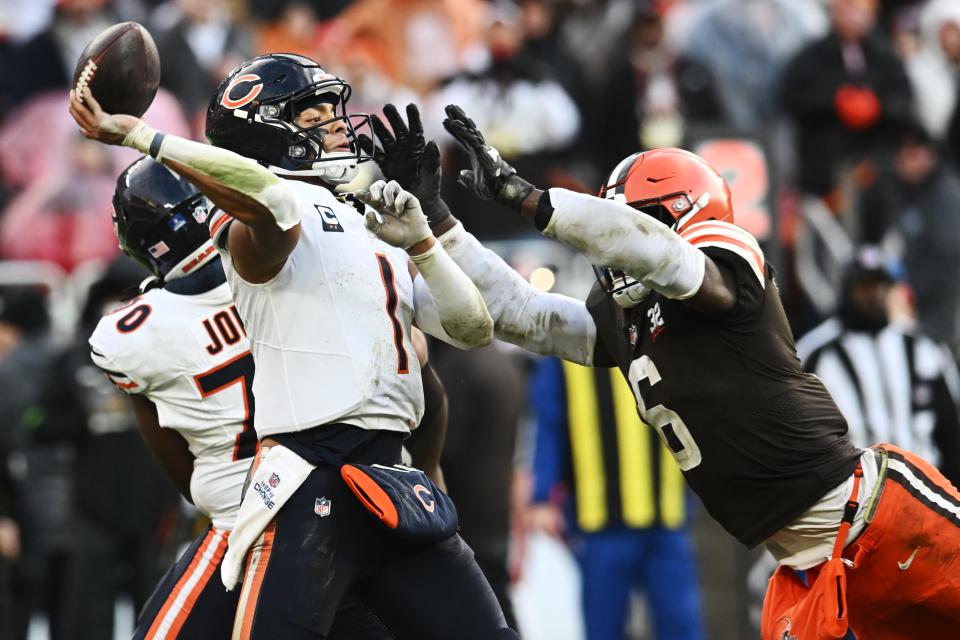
324 545
191 603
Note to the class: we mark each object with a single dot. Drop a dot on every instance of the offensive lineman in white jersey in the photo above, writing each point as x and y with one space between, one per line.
329 307
181 354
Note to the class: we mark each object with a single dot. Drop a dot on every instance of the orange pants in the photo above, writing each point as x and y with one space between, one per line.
905 582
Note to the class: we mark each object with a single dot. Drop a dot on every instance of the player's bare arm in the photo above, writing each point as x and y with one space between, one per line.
541 322
167 446
425 443
607 232
249 192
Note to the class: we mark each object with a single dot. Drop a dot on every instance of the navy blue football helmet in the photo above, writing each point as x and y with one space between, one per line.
160 220
253 113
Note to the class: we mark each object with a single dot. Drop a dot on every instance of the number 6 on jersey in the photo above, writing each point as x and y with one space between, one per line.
668 424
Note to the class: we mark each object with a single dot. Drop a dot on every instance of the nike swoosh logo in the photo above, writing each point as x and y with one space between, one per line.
906 565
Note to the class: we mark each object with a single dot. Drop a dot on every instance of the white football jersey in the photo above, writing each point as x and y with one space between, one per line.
330 333
189 355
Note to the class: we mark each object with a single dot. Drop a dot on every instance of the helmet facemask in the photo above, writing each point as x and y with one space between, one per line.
305 154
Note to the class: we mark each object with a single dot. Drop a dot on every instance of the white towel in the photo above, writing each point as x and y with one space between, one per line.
280 474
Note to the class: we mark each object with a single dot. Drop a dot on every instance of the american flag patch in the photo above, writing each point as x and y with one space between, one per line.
159 249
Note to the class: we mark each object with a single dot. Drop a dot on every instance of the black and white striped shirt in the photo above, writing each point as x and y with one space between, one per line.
893 386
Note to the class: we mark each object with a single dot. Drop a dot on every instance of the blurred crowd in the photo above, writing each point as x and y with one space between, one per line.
836 123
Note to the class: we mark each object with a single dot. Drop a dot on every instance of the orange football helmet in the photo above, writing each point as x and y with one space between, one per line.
676 187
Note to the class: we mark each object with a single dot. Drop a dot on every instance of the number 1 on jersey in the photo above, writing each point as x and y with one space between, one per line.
393 299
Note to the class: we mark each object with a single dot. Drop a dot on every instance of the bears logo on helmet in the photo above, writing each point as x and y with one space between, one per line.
236 103
253 112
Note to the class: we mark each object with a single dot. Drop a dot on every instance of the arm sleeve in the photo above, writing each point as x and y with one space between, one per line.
545 323
224 167
448 305
615 235
551 445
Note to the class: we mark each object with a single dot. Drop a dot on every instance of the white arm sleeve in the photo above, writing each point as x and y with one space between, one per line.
231 170
546 323
612 234
454 302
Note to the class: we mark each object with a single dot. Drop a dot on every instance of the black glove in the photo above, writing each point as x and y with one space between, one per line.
489 177
403 156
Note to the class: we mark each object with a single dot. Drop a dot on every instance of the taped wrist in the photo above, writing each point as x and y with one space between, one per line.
144 139
460 307
513 192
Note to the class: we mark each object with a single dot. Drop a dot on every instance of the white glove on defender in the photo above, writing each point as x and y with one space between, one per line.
395 215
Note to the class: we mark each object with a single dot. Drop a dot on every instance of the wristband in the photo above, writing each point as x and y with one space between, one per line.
426 256
544 212
143 138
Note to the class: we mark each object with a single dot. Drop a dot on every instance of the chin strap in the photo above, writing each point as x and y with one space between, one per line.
631 296
337 171
331 168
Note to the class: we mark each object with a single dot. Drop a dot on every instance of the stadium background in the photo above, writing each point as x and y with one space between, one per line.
565 89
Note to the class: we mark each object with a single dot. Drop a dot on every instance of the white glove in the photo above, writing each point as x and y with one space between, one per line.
394 215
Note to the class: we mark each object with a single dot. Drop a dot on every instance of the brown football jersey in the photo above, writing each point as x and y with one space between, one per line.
758 439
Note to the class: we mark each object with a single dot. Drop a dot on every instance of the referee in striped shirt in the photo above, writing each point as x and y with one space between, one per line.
892 385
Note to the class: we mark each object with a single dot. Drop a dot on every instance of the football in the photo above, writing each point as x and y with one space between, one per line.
122 68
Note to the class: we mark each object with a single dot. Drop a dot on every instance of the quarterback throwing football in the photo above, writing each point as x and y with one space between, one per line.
328 297
193 397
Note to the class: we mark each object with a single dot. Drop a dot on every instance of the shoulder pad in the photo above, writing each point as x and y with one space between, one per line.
726 235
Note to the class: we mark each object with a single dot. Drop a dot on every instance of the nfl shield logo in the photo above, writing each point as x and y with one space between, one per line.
274 480
632 335
322 507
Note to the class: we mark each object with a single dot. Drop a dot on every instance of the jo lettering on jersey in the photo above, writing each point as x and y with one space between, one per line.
224 328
